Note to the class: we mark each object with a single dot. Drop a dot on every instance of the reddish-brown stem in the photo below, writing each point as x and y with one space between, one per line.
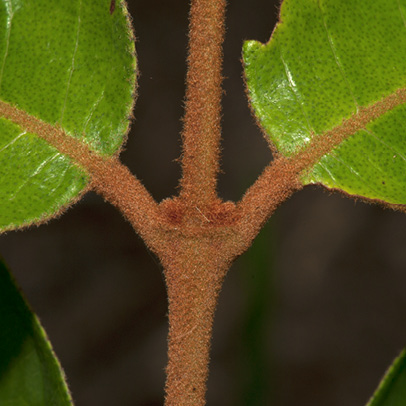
108 175
114 181
282 177
194 276
278 182
196 236
202 132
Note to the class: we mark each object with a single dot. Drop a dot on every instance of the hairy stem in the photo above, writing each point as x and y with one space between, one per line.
196 236
194 278
282 176
114 181
202 132
108 176
277 183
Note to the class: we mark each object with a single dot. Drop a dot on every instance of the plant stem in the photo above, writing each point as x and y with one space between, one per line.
194 270
202 131
194 277
282 177
108 176
279 180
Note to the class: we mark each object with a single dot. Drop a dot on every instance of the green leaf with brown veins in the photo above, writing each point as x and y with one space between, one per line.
67 81
331 83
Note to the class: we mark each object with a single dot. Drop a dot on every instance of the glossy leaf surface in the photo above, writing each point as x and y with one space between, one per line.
392 389
326 61
70 64
30 374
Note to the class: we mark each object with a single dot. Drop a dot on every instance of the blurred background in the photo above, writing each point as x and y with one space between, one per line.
313 314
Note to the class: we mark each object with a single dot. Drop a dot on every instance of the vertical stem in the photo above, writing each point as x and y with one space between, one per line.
202 132
194 277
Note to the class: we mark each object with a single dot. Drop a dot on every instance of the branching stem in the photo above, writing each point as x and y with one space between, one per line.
196 235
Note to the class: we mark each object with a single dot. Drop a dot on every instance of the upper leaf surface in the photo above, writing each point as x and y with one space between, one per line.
30 373
69 63
392 389
327 61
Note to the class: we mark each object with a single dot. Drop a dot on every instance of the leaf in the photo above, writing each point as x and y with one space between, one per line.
330 67
70 64
30 374
392 389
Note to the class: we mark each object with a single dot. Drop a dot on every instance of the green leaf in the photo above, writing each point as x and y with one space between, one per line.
329 61
70 64
30 374
392 389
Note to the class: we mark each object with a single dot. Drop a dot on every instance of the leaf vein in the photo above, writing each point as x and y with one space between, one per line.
92 110
401 14
10 13
336 58
328 172
72 68
12 141
385 144
353 171
292 85
62 177
35 173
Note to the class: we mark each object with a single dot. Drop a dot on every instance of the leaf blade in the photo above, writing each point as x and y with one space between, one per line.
30 373
74 68
310 78
392 389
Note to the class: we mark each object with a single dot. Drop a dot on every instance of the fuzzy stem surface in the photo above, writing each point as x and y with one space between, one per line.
194 277
202 131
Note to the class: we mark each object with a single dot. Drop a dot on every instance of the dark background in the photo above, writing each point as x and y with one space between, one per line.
311 315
